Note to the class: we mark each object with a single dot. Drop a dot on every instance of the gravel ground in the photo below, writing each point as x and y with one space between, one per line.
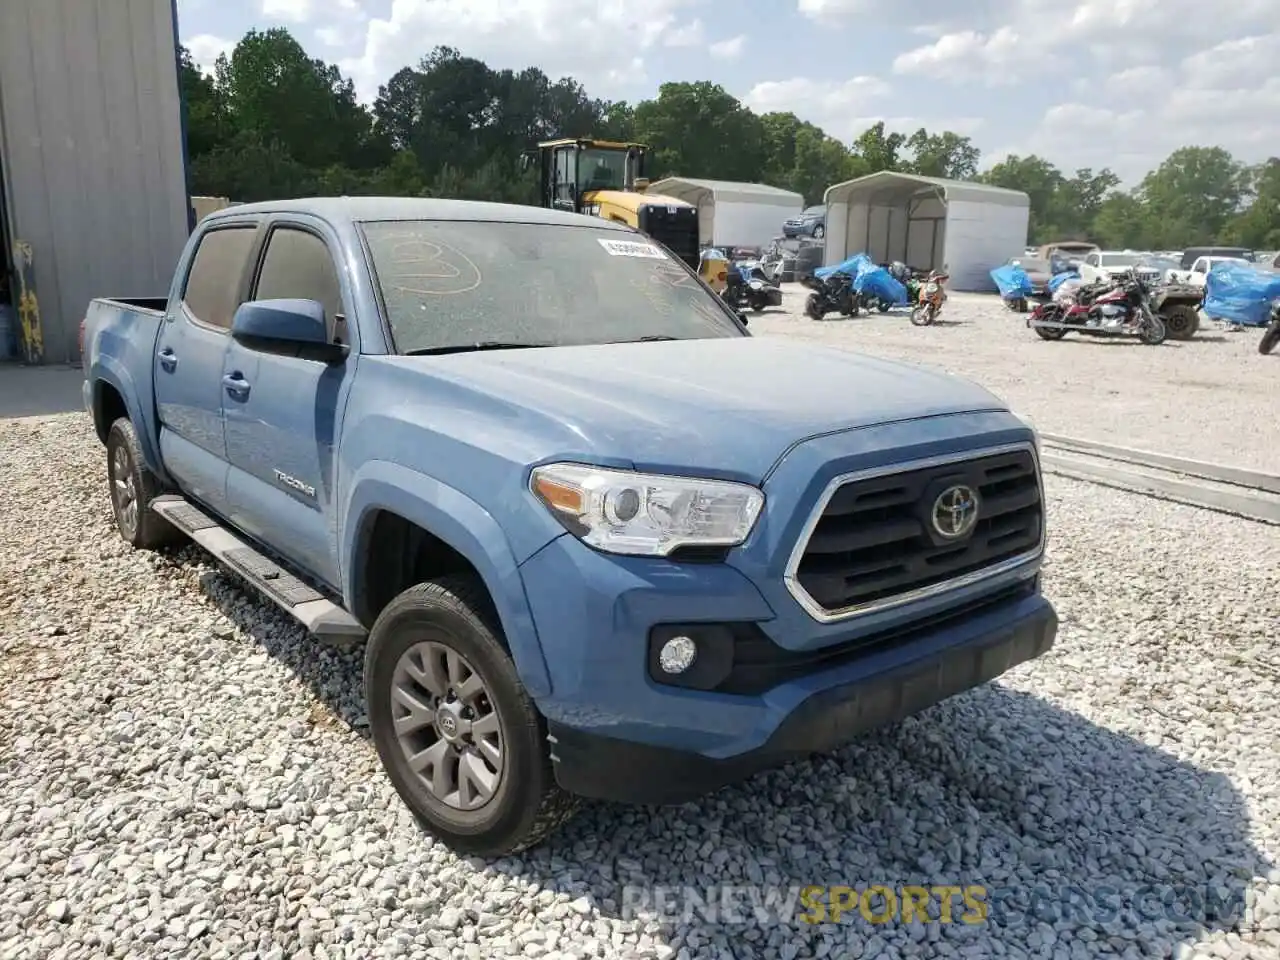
1201 398
184 773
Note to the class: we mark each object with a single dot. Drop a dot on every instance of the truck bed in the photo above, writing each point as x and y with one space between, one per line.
119 347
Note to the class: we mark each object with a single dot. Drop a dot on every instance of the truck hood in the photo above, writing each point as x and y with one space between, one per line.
724 407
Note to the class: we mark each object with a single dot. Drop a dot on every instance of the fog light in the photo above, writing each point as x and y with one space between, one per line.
677 655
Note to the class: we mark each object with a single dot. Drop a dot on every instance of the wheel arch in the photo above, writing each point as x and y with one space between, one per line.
392 507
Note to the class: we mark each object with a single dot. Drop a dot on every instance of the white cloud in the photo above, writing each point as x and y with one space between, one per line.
206 48
729 49
834 106
692 34
996 57
306 11
561 36
1226 95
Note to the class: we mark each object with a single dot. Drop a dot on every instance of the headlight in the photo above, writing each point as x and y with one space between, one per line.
619 511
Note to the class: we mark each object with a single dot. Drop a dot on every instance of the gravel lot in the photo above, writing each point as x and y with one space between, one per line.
1201 398
184 773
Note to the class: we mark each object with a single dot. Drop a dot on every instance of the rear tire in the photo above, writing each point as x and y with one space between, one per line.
422 635
1181 321
1050 333
132 487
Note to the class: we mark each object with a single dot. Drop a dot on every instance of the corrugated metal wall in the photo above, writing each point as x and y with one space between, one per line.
91 134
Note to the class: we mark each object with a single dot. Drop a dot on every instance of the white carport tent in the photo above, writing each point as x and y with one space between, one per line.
733 214
927 223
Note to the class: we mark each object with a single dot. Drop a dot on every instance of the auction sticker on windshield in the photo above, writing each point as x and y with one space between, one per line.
629 248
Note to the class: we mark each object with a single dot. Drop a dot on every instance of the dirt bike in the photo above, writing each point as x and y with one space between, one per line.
1121 309
932 295
1271 336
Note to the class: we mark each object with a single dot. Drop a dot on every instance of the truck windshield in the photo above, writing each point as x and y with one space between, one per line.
450 285
1120 260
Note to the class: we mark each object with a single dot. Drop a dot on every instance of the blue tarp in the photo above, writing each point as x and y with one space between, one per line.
868 277
1012 281
1240 293
1058 279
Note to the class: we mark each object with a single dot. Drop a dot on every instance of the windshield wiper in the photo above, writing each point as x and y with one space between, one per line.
654 338
473 347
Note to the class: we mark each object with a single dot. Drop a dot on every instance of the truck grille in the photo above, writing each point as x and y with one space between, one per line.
875 545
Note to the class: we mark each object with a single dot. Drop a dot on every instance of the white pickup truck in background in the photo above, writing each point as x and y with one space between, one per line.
1199 270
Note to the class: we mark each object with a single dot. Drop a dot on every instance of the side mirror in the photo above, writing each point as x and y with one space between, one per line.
273 324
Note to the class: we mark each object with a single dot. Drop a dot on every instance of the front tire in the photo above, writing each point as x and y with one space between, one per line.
819 232
813 307
922 315
133 486
457 732
1152 331
1270 338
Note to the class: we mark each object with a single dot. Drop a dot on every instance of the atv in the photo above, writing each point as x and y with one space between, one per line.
1178 305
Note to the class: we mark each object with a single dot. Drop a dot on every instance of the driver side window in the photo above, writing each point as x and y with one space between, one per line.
298 265
1093 260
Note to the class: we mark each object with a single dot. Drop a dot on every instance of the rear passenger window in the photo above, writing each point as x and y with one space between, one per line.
298 266
213 285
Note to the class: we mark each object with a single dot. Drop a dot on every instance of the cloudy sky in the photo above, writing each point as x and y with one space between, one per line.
1116 83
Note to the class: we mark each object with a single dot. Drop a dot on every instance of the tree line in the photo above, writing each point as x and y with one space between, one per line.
271 122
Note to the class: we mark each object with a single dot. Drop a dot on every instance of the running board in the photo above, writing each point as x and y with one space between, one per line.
323 617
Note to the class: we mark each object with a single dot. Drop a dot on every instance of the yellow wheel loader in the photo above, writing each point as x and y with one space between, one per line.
606 178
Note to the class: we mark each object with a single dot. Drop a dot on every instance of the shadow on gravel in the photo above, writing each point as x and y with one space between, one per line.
1039 830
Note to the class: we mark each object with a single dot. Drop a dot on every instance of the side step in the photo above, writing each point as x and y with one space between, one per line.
321 616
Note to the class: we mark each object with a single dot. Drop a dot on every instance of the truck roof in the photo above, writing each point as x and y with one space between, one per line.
356 209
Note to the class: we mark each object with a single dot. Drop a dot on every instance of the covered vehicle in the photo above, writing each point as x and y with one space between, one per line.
1241 293
1014 284
867 276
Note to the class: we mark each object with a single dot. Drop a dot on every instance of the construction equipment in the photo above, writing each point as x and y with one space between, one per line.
606 178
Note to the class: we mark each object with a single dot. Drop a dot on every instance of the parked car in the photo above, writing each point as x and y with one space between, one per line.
598 540
812 222
1114 264
1199 270
1191 254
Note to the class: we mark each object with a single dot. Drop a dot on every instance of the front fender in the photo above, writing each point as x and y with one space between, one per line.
466 527
108 370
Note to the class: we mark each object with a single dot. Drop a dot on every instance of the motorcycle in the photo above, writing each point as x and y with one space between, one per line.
832 292
748 285
930 300
1271 336
1119 308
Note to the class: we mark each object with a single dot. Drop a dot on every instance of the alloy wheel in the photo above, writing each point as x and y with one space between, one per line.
447 726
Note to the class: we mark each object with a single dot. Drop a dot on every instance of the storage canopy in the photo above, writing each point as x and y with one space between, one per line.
733 214
927 223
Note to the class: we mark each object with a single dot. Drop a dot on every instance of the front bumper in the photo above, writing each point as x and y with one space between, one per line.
608 768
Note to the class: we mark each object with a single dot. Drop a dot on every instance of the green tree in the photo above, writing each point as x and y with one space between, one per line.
947 155
879 150
700 130
1196 191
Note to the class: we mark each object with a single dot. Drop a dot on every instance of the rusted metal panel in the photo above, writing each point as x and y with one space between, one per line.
91 144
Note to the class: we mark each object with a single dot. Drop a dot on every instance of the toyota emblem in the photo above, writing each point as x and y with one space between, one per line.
955 512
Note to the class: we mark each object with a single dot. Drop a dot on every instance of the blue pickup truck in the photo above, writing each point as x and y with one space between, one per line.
597 539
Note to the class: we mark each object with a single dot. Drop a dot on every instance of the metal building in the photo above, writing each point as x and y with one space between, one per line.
928 223
95 197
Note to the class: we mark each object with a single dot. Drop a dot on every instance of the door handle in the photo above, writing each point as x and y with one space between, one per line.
236 385
168 359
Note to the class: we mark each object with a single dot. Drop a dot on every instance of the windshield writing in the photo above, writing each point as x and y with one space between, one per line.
450 283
